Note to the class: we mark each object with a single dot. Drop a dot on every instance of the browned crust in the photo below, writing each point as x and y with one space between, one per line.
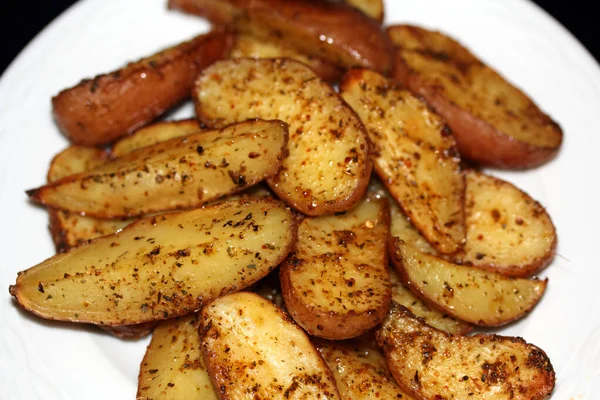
374 9
131 332
216 11
58 232
388 347
99 110
398 264
514 270
478 140
38 195
331 325
187 308
219 374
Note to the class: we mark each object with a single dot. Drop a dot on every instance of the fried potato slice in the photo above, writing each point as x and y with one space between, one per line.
249 46
336 284
100 110
414 155
173 174
152 134
507 231
334 32
253 350
360 372
173 368
431 315
162 266
328 168
472 295
494 123
432 364
371 8
71 229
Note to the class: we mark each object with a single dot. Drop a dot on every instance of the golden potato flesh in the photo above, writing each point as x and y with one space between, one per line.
174 174
472 295
254 350
432 364
336 285
173 368
414 155
162 266
327 169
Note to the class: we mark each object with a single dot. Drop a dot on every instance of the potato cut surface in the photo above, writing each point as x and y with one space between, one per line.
249 46
360 372
153 134
173 174
161 266
431 315
70 229
507 231
493 122
371 8
414 155
327 169
173 368
472 295
431 364
253 350
336 284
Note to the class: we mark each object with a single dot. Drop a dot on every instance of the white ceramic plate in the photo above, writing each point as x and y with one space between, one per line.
45 360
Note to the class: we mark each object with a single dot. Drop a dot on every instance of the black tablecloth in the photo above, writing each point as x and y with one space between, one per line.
22 20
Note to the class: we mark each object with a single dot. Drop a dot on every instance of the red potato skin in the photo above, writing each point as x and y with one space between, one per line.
476 139
334 31
97 111
131 332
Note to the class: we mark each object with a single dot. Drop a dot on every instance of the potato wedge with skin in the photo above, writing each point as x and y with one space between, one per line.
472 295
71 229
414 155
494 123
253 349
100 110
507 231
249 46
327 169
173 368
360 372
130 332
336 284
431 315
175 174
432 364
371 8
334 32
162 266
152 134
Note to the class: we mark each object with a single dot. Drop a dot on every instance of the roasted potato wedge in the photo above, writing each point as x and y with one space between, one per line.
414 155
100 110
328 168
371 8
71 229
130 332
432 364
360 372
253 350
174 174
162 266
334 32
507 231
336 284
152 134
494 123
173 368
249 46
472 295
431 315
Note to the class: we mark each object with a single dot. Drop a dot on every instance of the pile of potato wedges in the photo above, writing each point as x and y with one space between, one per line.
320 230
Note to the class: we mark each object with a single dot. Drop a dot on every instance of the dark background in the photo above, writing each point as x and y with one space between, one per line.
22 20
